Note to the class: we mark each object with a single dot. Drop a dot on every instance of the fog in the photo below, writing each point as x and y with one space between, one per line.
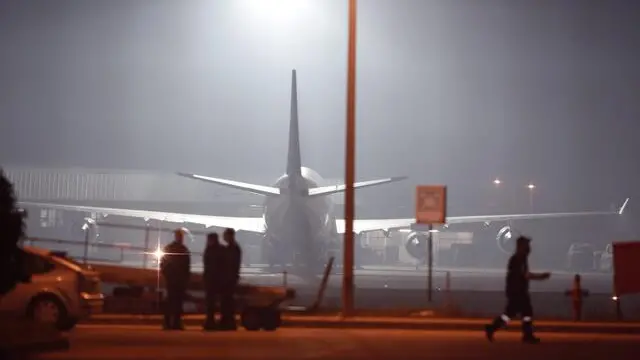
448 92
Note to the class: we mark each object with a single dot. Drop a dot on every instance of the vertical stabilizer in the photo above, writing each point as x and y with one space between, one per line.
293 157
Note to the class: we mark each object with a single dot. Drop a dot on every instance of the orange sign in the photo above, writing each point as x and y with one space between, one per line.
626 267
431 204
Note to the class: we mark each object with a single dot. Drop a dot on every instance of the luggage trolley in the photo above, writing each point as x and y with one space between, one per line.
260 307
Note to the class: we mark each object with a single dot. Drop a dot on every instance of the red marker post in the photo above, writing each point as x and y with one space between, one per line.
577 294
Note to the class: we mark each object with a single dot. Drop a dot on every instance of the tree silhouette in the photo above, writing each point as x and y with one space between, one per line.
11 231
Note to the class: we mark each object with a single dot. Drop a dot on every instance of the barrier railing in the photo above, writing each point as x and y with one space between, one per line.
124 251
120 247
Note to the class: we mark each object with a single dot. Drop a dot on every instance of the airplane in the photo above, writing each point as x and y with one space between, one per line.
299 225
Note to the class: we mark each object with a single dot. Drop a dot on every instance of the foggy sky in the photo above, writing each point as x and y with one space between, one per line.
449 91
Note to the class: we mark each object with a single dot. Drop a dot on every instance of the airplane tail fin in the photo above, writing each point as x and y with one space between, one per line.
328 190
294 161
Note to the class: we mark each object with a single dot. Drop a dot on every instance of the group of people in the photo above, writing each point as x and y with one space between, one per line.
222 272
221 276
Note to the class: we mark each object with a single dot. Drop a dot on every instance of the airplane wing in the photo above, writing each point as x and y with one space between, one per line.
255 225
394 224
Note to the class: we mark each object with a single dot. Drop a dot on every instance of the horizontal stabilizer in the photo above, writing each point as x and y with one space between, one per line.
327 190
252 188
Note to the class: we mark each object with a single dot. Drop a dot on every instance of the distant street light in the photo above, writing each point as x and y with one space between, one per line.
499 185
531 187
495 202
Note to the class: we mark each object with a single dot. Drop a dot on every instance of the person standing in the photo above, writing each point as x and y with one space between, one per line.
517 291
213 271
230 277
175 266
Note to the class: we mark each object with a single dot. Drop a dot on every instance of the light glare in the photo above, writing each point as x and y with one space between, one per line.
276 12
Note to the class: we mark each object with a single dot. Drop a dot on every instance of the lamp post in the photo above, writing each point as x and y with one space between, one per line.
348 252
531 187
495 202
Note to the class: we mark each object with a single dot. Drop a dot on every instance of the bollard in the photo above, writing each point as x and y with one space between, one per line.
577 294
447 282
447 291
159 301
616 299
86 245
146 246
284 278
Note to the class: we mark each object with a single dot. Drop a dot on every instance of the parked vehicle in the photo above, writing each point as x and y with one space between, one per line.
61 292
606 259
580 257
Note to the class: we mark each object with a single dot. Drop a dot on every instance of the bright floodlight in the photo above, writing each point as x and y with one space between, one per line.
158 253
531 186
497 181
276 13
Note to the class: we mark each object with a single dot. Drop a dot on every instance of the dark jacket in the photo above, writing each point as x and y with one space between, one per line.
232 261
176 264
213 262
517 282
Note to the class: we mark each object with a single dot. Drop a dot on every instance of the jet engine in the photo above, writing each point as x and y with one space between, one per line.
505 239
416 245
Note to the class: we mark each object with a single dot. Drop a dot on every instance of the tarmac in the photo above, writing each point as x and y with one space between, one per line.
142 342
20 335
389 322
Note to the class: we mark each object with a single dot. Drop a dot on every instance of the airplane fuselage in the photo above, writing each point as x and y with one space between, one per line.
298 228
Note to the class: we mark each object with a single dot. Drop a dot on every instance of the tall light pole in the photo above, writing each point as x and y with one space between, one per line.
350 162
531 187
496 194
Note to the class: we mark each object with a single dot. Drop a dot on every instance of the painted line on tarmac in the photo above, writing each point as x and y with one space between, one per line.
120 327
147 327
400 332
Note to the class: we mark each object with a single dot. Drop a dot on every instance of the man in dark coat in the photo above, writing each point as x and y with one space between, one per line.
517 291
12 267
175 266
230 278
213 271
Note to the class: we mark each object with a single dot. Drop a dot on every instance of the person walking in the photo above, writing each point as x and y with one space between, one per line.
517 291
